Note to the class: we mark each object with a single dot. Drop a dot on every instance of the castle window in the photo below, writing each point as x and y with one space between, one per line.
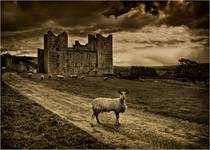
58 64
57 49
56 42
81 64
57 56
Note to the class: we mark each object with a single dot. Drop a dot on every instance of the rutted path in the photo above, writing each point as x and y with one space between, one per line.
138 129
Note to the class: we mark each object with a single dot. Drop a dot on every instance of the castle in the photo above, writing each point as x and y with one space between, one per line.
95 57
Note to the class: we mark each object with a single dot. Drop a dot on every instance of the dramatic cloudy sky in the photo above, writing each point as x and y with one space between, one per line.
144 33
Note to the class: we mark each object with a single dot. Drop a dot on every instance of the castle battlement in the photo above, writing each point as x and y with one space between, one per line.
58 58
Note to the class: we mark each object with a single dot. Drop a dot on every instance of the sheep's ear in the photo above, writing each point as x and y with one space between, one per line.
126 91
119 92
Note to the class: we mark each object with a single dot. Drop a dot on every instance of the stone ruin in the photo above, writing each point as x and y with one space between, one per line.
95 57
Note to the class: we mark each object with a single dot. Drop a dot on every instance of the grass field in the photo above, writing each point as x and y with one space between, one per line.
27 125
166 97
152 120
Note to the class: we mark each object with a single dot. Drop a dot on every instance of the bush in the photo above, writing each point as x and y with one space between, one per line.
192 70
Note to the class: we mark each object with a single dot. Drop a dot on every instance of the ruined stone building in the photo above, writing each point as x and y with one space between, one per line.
95 57
18 63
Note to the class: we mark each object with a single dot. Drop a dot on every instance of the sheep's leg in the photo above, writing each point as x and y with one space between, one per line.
97 119
117 119
92 117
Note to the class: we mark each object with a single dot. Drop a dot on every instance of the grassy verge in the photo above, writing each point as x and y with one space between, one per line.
27 125
175 99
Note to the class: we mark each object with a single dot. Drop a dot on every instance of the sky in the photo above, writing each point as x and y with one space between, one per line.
152 33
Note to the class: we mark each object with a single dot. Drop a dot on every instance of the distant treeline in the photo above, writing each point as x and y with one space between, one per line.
135 72
186 70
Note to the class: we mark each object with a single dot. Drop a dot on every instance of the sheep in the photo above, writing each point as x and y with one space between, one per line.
60 77
34 71
42 77
29 74
49 76
142 80
118 105
82 77
106 78
73 76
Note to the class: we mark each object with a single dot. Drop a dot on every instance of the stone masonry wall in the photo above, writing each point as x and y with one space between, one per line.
80 62
61 53
41 60
104 54
54 52
57 58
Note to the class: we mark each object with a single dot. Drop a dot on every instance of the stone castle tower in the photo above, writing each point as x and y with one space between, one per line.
95 57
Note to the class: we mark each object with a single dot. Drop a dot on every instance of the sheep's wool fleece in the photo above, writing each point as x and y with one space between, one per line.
106 104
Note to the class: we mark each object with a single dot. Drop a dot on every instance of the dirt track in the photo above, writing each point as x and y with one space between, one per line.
138 129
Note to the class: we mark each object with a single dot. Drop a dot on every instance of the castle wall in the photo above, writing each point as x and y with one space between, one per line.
80 47
61 53
57 58
46 61
80 62
54 53
104 54
91 42
41 60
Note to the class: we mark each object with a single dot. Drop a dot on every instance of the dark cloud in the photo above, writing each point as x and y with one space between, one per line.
193 14
155 42
23 15
24 22
123 7
199 39
16 17
143 47
119 8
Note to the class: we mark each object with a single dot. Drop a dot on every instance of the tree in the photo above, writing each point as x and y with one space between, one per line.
188 69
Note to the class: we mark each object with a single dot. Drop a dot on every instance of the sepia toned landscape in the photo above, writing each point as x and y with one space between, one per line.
133 79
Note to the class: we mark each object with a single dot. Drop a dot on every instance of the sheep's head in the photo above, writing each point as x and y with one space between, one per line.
49 76
123 93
